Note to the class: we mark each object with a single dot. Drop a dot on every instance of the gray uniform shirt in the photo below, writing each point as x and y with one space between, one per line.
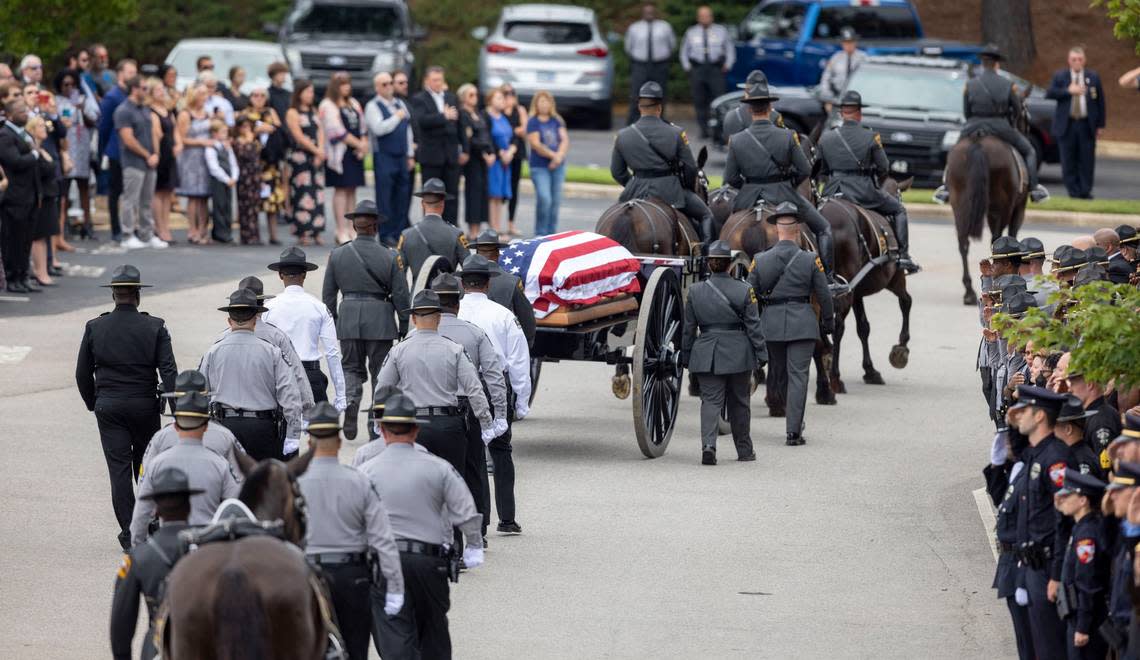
730 340
839 66
276 336
205 469
755 170
707 45
248 373
369 309
785 271
434 371
478 347
855 168
643 169
346 515
217 439
415 487
650 42
507 290
740 118
432 236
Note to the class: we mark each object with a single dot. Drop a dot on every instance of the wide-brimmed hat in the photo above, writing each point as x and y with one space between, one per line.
324 420
1017 304
848 34
851 99
1090 273
433 187
719 249
1032 248
992 50
365 208
488 237
758 92
477 264
1074 411
190 380
446 284
784 210
754 76
381 396
243 299
1070 259
425 302
1006 247
192 404
291 258
1127 234
400 409
170 481
651 90
255 285
126 275
1002 283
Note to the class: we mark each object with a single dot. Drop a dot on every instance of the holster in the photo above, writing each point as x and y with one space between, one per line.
1066 601
374 568
453 558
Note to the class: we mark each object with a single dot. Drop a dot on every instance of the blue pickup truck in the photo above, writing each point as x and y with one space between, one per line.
791 40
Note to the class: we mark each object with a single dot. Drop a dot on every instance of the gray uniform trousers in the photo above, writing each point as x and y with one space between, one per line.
716 391
361 360
788 365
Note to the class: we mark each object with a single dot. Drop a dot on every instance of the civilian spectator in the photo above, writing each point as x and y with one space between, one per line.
193 177
393 157
134 122
6 73
707 53
233 94
19 159
45 220
306 157
51 174
270 134
82 110
480 156
649 43
223 167
100 77
31 69
1077 122
169 77
345 148
400 87
499 172
516 114
1131 80
216 104
109 140
203 63
247 150
279 98
438 138
840 66
549 144
169 147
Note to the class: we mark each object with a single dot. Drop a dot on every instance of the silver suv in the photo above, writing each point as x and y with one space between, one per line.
557 48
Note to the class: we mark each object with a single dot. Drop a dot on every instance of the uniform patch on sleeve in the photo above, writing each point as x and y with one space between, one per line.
1086 550
796 138
878 139
752 266
1105 462
1102 435
124 567
752 295
400 243
684 137
819 264
399 260
463 240
1057 473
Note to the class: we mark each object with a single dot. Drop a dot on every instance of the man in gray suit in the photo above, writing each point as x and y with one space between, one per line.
374 297
652 158
785 278
729 346
766 163
432 235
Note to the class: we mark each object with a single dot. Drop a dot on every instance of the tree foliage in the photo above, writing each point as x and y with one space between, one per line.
1126 16
49 27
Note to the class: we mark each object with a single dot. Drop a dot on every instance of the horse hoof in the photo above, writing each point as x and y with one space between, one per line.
840 387
826 399
873 378
970 299
900 355
775 412
620 386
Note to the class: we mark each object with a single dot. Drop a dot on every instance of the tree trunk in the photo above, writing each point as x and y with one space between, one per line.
1009 24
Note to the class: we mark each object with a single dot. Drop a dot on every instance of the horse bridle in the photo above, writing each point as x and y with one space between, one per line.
299 506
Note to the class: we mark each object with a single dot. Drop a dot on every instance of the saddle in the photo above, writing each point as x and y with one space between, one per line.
1022 170
232 521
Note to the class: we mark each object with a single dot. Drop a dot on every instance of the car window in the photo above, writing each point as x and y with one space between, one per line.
774 21
919 89
371 21
255 62
868 22
548 32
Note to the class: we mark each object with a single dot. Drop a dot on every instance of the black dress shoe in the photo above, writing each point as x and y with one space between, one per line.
44 284
795 440
708 456
350 421
511 527
32 288
16 287
747 459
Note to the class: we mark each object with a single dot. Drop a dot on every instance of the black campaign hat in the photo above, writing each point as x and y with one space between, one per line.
758 92
1060 252
255 285
1090 273
1017 304
291 258
848 34
1097 255
125 275
1070 259
1003 282
1073 410
1079 483
488 237
1127 234
851 99
425 302
754 76
382 394
1131 428
400 409
170 481
1125 474
446 284
719 249
365 209
783 210
324 420
192 404
651 90
1032 248
243 299
477 264
992 50
1006 247
433 187
190 380
1038 397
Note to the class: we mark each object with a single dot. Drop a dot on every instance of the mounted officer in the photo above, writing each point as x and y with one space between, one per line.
662 164
432 235
992 107
852 157
766 163
740 117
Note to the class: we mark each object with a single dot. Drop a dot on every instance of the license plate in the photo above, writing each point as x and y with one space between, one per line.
545 76
900 166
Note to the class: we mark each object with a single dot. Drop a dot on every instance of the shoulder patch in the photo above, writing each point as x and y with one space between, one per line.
519 286
1057 473
752 295
463 239
1086 550
124 567
818 264
752 265
684 137
878 139
400 243
1105 462
780 121
399 261
796 138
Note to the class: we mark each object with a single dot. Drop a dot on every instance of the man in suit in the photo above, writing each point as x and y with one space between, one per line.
18 158
1077 122
439 142
785 277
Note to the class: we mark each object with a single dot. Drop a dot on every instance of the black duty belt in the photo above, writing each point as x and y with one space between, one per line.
311 365
420 548
364 295
720 326
716 63
785 301
339 558
652 174
761 180
853 172
226 412
989 115
439 411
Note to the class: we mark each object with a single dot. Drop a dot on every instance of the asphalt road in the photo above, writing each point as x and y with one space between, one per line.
866 542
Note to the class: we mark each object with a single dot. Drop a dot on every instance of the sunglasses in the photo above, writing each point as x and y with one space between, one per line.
386 84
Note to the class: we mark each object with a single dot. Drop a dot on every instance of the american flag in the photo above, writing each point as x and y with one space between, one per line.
570 268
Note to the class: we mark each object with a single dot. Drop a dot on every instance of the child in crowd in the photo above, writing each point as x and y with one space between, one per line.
223 167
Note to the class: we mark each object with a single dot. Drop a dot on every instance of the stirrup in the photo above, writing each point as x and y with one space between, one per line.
838 285
1039 189
941 195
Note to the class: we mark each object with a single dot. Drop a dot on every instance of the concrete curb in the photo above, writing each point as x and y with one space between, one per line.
1032 217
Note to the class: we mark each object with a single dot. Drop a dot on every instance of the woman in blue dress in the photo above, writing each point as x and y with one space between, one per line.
499 173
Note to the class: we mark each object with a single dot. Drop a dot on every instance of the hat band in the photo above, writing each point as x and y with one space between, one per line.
410 420
190 413
1130 433
1127 481
325 426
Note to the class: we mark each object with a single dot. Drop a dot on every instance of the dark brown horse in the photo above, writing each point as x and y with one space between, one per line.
721 200
254 597
857 245
987 185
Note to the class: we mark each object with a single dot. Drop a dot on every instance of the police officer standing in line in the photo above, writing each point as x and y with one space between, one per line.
143 571
206 470
115 372
707 54
416 487
249 380
309 325
766 163
852 157
1129 241
434 372
652 158
1104 421
348 530
1008 580
370 279
216 438
1085 576
785 277
730 346
507 288
1125 479
740 117
649 43
432 235
481 351
1032 271
840 66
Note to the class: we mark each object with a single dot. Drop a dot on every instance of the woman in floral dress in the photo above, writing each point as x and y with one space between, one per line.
306 177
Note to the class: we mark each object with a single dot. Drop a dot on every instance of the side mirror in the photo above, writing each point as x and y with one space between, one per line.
271 28
613 38
480 33
419 32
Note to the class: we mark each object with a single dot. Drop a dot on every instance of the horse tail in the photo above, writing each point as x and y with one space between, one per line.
977 188
240 625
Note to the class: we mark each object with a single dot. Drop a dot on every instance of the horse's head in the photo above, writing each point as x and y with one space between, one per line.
271 492
702 183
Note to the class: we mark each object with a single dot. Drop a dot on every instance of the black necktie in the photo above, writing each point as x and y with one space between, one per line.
649 37
706 39
848 68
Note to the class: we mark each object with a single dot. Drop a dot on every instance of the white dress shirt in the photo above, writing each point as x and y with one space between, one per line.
311 329
215 168
507 336
378 125
704 44
438 98
641 34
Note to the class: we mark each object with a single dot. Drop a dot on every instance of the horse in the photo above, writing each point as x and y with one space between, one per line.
987 183
255 597
859 247
721 200
749 232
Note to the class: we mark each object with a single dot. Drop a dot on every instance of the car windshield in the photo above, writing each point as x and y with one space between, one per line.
368 21
255 62
774 21
548 32
926 90
868 22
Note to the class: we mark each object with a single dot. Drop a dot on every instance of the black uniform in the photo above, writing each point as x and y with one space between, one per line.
1085 460
119 356
1010 574
1101 428
991 104
1120 598
1084 578
507 290
143 572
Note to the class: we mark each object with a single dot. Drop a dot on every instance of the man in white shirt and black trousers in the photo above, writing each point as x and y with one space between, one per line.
649 44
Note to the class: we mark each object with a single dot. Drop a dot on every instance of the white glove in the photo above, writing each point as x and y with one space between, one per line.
1000 448
340 404
501 426
472 557
393 603
291 445
1021 596
521 410
488 435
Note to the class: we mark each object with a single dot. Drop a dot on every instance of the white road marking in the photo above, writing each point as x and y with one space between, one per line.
989 520
75 270
14 354
14 299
